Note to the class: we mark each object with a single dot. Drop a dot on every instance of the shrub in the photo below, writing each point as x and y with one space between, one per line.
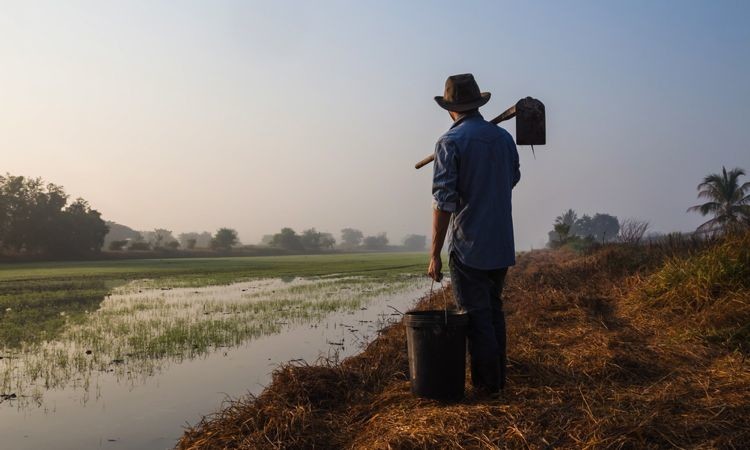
632 231
117 246
224 239
139 246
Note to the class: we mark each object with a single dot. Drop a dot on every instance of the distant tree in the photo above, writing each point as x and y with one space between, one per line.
148 236
313 240
192 239
560 233
568 228
632 231
415 242
351 237
327 241
310 239
203 240
160 237
139 246
172 245
569 217
728 201
117 246
288 239
31 214
601 227
85 229
36 218
224 239
266 239
377 242
118 232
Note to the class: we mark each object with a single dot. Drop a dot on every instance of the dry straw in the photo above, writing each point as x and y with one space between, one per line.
603 354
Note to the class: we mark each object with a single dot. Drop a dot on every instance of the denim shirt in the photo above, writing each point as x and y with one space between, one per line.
476 168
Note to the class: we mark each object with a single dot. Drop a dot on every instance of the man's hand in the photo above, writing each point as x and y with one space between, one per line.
434 270
440 221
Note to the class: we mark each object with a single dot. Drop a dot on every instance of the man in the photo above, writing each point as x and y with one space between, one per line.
476 168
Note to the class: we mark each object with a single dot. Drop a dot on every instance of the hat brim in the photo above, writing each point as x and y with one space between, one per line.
461 107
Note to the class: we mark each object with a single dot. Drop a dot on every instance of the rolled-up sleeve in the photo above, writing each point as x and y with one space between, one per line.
445 176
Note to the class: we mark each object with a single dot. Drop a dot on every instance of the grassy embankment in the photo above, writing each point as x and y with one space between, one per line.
33 295
624 347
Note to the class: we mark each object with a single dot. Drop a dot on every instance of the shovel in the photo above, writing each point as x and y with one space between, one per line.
530 125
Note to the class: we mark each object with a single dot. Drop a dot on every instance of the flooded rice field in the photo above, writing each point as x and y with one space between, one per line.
152 358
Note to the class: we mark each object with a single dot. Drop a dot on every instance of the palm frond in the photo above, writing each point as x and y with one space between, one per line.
709 225
712 192
736 172
705 208
713 179
742 210
728 201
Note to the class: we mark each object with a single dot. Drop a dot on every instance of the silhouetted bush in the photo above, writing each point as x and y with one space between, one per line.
139 246
116 246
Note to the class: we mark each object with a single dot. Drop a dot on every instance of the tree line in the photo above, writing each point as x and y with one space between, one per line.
308 241
38 218
311 240
122 238
727 203
569 229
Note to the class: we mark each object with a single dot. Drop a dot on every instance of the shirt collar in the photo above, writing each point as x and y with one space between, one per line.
466 116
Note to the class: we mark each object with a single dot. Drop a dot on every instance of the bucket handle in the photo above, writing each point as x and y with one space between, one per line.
445 298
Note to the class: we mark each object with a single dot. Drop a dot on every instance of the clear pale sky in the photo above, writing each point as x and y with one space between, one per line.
256 115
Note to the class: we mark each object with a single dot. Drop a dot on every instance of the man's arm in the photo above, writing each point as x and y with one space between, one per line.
440 221
445 199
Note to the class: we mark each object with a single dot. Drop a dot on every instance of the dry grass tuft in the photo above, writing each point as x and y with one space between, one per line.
603 353
709 292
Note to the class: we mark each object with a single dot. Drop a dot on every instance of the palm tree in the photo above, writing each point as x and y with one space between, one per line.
727 201
562 226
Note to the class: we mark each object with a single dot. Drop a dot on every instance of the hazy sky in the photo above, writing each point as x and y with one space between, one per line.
257 115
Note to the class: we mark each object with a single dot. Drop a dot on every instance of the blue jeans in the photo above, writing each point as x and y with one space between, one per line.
479 293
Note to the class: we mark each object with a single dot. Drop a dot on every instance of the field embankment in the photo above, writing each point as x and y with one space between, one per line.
626 347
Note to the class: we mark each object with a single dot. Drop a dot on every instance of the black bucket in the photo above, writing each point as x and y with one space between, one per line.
437 353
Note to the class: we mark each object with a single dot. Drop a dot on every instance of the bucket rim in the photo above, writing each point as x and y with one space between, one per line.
436 317
442 312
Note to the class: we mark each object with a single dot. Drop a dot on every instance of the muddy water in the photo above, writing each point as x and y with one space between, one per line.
128 404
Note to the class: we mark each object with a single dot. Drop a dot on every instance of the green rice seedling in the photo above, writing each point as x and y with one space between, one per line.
138 329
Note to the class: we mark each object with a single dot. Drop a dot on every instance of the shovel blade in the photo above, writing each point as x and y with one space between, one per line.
531 126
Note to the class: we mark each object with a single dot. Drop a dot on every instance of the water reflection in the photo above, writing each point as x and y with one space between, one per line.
138 331
124 408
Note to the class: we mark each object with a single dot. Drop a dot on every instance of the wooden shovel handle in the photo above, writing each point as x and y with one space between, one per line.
507 114
425 161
